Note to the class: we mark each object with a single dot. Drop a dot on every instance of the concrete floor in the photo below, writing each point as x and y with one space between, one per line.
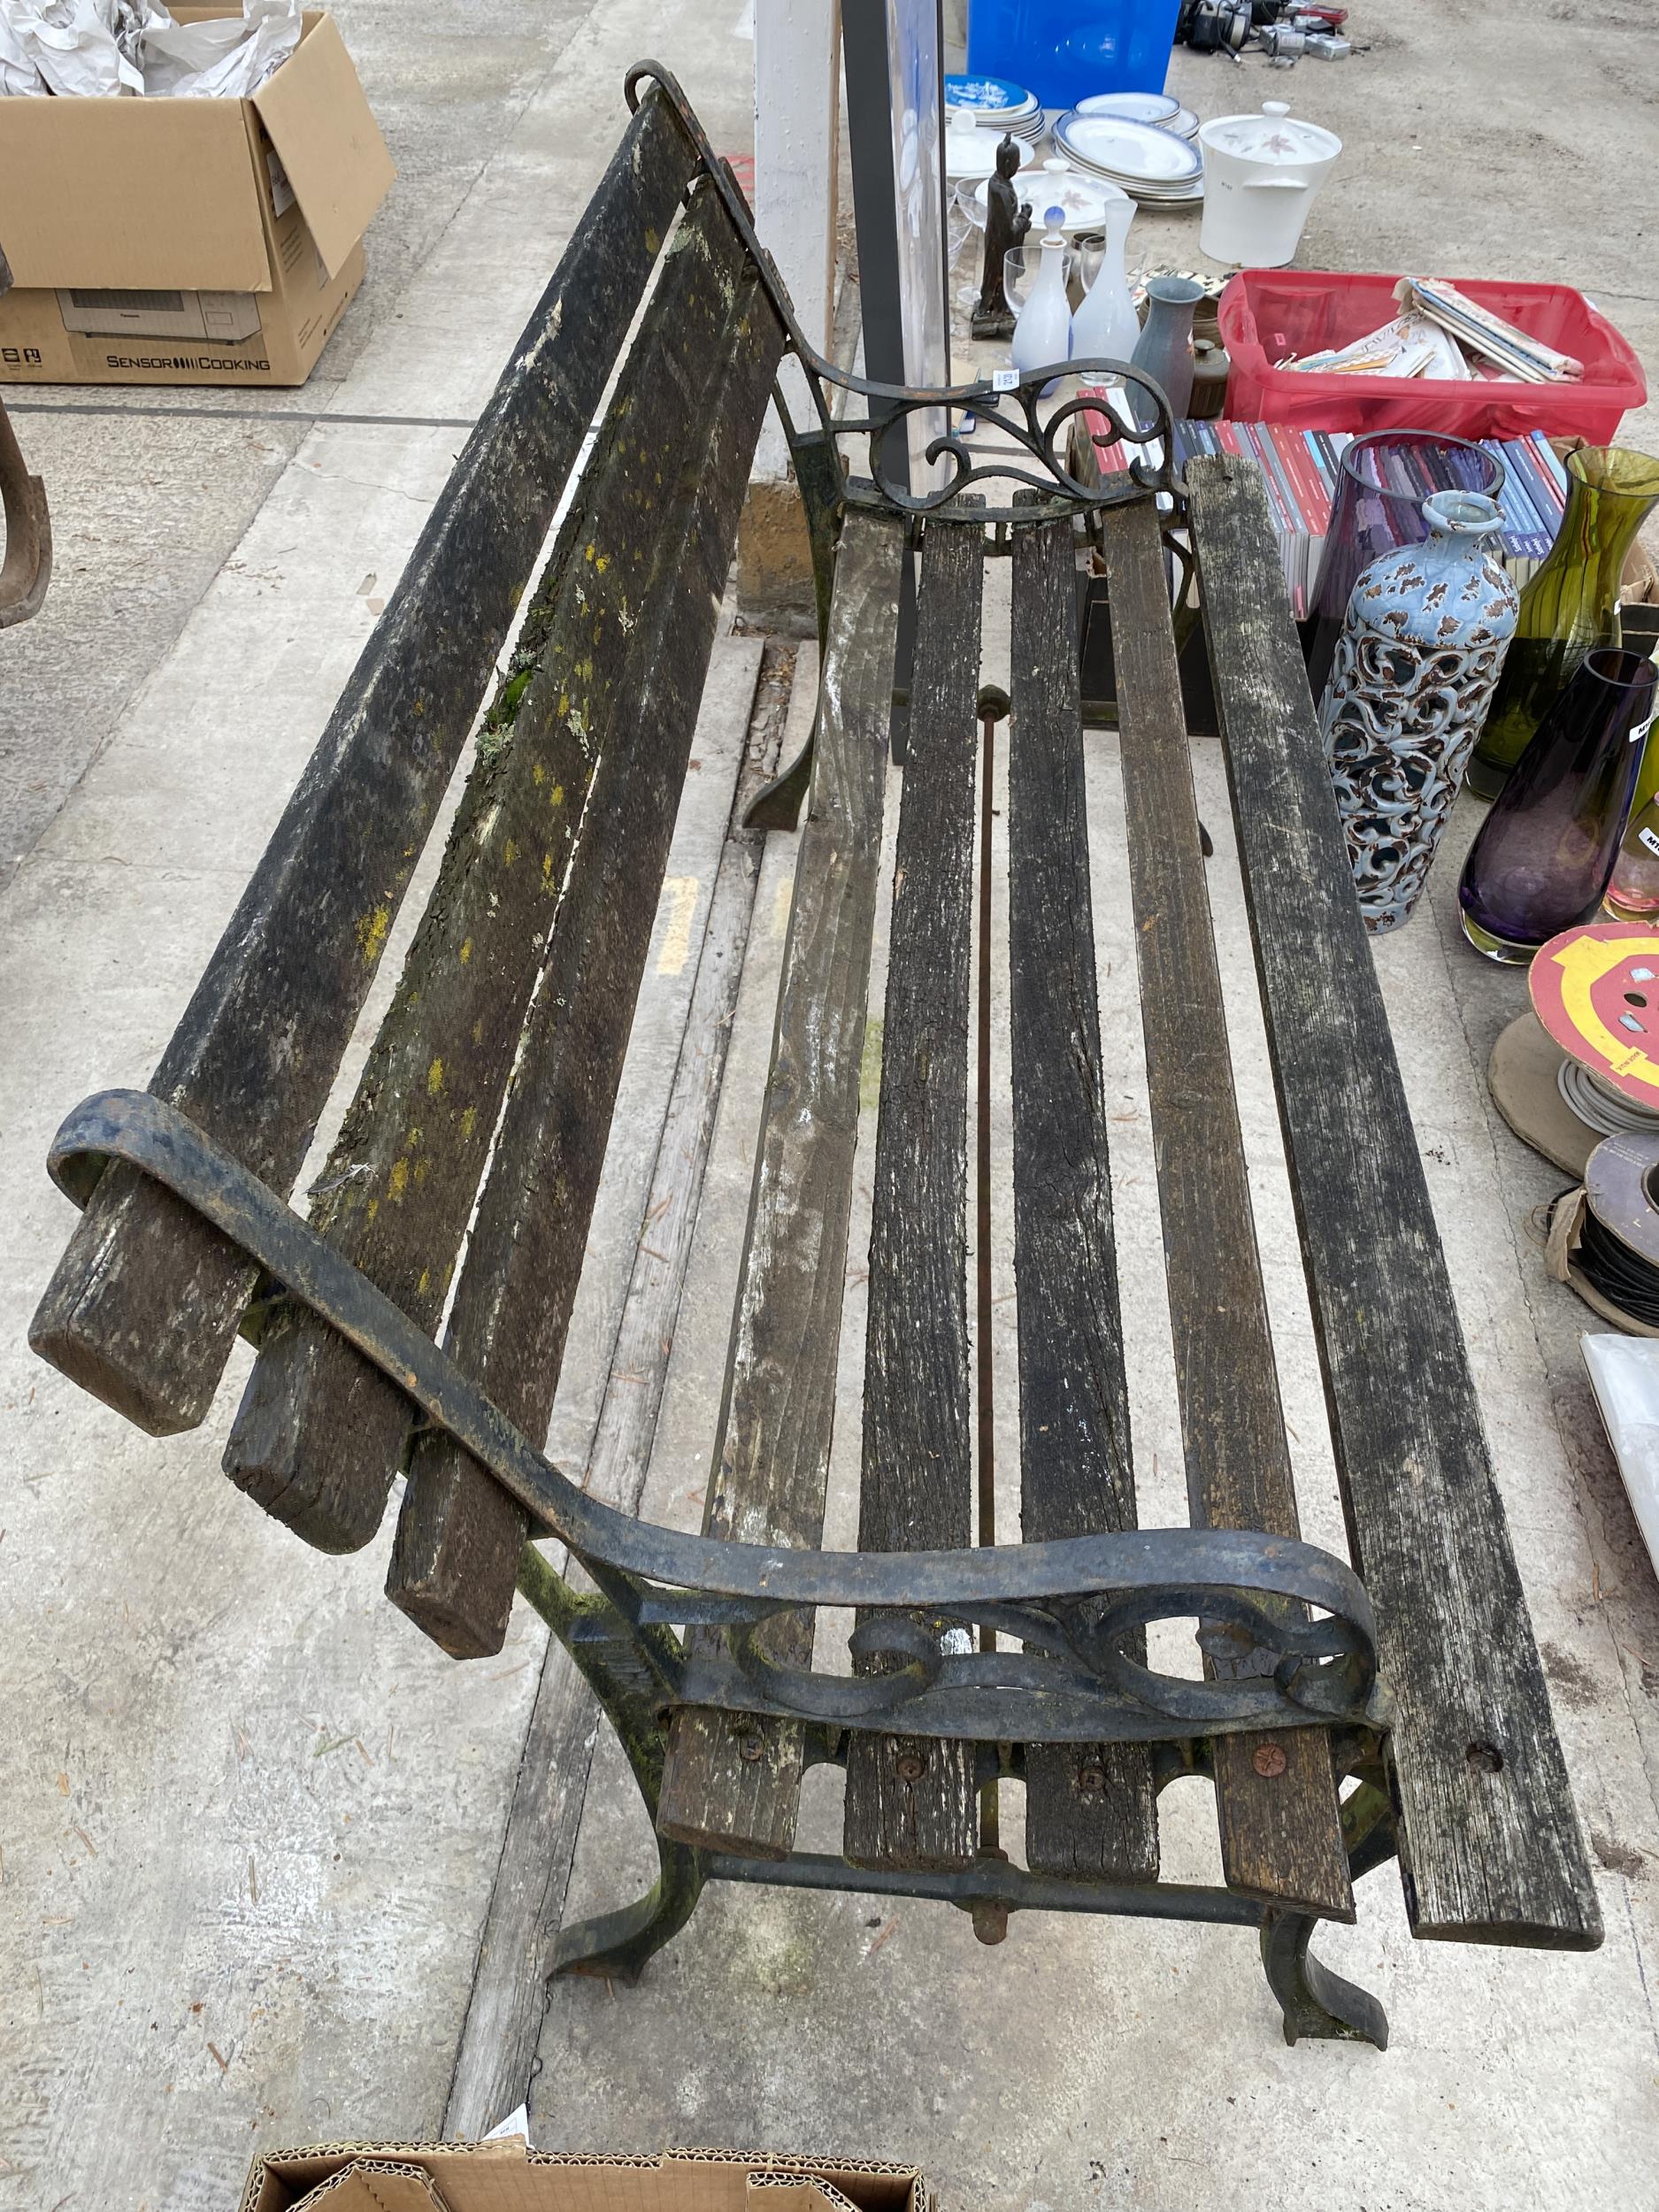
249 1818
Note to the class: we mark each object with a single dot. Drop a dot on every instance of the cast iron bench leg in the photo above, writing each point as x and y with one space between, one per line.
616 1945
1314 2001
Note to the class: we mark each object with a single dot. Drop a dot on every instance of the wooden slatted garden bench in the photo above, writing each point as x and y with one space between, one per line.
1346 1709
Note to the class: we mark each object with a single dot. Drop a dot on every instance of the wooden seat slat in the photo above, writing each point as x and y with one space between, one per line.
1280 1834
912 1802
1490 1844
771 1455
1090 1808
144 1305
456 1560
320 1432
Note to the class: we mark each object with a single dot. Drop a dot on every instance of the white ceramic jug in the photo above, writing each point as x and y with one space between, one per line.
1261 174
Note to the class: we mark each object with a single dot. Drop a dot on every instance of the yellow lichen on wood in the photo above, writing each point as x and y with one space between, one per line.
397 1182
434 1078
371 931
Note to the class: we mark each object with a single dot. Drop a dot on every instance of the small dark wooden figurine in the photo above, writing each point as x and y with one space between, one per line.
1006 223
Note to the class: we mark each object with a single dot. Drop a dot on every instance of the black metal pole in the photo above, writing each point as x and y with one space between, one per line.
868 61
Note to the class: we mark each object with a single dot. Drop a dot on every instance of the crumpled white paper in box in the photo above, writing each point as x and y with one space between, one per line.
104 48
225 59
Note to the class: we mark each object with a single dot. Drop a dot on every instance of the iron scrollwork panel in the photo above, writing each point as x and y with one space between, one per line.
1013 442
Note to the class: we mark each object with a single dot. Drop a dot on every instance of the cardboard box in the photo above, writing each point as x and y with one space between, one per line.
189 242
506 2177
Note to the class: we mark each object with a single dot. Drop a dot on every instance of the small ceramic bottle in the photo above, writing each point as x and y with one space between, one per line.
1420 650
1043 334
1106 327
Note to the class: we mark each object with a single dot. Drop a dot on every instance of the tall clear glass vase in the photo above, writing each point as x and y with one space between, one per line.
1570 607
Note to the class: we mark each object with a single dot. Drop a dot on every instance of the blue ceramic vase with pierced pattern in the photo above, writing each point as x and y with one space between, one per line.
1421 648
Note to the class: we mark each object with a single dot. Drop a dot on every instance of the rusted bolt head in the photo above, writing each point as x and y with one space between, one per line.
912 1766
1270 1760
1091 1780
750 1747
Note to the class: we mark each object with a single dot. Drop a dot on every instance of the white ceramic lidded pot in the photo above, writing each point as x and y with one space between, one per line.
1261 174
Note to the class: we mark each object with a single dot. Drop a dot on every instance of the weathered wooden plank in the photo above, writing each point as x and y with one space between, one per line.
1090 1808
508 1995
911 1802
458 1535
146 1302
626 613
1280 1832
1491 1849
771 1462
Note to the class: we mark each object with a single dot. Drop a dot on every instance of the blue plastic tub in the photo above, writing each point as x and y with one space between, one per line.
1064 50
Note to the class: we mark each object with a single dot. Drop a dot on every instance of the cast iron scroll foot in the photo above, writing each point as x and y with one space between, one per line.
616 1945
777 807
1314 2001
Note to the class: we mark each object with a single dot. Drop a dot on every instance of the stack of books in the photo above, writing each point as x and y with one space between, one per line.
1299 468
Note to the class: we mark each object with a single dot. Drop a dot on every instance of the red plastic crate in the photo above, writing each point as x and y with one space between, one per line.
1269 314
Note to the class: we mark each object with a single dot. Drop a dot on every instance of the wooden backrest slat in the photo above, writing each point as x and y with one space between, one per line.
1232 1429
456 1560
145 1304
320 1432
1490 1843
771 1457
913 1802
1090 1810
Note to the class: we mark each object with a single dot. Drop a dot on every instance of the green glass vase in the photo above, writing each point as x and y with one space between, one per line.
1570 606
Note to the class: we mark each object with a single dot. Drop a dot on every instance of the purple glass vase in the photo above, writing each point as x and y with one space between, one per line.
1543 855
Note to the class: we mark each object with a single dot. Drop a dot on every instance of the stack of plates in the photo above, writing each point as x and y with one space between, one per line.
997 104
1162 108
1148 162
974 153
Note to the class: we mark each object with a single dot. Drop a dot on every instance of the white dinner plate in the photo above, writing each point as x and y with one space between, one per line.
1132 153
1134 107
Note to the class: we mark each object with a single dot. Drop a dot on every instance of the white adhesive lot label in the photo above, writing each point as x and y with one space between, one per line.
679 894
